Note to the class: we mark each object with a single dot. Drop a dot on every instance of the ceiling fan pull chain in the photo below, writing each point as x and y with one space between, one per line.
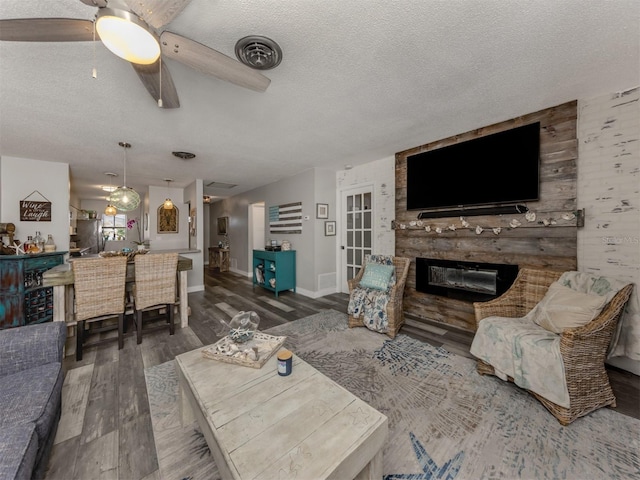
94 73
160 95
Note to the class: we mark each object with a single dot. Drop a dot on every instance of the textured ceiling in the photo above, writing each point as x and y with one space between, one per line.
359 81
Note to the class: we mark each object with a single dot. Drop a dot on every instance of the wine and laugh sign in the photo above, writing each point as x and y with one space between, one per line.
33 211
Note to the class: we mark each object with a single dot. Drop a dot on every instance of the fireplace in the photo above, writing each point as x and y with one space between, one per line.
470 281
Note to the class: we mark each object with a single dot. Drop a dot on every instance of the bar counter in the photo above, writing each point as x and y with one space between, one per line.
61 279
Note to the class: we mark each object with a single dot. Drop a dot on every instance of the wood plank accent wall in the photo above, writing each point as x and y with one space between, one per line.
532 244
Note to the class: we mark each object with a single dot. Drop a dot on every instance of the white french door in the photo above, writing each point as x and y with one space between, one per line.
356 234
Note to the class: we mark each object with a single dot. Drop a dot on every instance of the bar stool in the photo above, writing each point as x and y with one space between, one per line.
99 285
155 289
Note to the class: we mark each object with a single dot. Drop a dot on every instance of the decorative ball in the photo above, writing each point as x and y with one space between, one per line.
243 325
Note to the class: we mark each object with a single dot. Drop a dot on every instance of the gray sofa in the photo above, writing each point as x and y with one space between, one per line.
31 378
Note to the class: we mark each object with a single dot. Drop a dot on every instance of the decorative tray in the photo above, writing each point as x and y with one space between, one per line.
253 353
129 255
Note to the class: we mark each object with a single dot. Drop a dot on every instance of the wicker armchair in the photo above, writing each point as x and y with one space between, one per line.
155 288
99 287
394 307
583 349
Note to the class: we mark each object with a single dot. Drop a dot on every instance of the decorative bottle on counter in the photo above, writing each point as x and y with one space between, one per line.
27 245
49 245
39 241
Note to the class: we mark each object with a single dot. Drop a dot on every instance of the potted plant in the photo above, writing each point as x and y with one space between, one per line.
141 243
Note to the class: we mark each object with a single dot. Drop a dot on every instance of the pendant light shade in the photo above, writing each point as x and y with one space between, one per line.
168 203
125 198
110 210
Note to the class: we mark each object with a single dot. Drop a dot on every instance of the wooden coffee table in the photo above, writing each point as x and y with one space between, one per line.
260 425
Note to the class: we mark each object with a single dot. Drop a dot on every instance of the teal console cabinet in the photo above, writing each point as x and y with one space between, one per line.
275 271
23 299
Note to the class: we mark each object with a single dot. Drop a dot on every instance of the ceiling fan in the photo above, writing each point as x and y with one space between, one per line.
116 20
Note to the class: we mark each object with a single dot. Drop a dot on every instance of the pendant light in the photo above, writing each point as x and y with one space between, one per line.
124 198
110 210
168 203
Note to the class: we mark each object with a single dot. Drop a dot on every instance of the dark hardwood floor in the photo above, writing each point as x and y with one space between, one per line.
105 430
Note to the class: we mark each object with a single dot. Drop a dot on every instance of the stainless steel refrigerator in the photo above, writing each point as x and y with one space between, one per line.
88 236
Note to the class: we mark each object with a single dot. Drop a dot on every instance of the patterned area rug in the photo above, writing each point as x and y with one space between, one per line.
445 420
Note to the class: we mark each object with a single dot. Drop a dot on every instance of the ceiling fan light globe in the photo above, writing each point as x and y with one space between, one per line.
127 36
125 199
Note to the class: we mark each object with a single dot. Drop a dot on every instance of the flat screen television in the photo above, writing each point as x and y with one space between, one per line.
498 169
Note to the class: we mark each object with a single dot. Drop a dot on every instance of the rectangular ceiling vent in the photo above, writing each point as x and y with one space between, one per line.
220 185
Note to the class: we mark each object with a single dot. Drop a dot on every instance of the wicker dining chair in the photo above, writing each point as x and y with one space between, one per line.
99 289
395 313
583 349
155 289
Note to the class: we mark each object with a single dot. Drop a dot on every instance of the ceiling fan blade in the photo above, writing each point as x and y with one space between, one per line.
46 30
150 77
211 62
157 13
95 3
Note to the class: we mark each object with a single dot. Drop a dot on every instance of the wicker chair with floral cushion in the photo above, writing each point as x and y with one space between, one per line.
99 288
390 294
155 289
529 316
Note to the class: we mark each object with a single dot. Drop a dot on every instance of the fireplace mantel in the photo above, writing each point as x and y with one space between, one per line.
504 238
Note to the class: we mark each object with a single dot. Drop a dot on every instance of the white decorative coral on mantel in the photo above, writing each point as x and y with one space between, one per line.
529 216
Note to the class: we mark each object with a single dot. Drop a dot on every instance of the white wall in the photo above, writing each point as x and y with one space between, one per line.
315 253
168 241
193 196
20 177
382 174
206 231
325 248
609 191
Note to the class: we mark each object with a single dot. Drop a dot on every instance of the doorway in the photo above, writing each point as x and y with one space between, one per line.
356 231
256 240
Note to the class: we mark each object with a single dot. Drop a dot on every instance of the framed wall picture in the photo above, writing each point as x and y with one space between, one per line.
223 225
322 210
329 229
167 220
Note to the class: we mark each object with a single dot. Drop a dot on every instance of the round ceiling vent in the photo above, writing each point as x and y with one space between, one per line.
258 52
184 155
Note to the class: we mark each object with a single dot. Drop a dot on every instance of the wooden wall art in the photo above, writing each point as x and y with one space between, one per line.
285 218
32 211
168 220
